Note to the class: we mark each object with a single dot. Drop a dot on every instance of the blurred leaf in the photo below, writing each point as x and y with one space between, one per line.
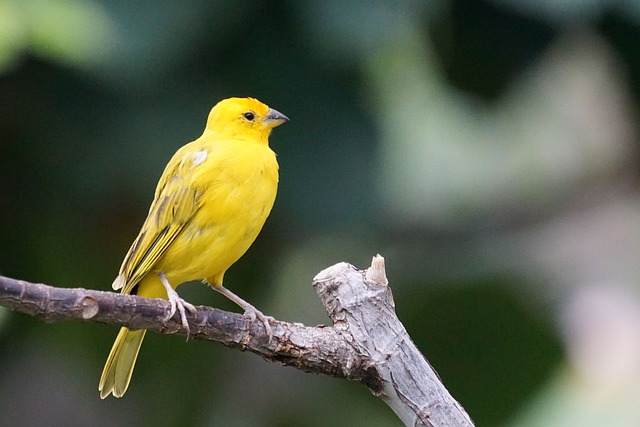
13 34
71 31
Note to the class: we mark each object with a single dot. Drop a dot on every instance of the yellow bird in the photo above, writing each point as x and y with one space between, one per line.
209 206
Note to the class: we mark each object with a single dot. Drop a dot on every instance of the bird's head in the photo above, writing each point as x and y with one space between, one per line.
245 118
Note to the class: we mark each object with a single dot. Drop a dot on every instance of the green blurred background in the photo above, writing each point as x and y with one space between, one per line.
486 148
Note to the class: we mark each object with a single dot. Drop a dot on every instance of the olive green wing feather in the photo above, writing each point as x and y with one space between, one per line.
175 203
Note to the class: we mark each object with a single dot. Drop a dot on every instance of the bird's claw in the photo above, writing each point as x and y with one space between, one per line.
178 304
182 306
253 314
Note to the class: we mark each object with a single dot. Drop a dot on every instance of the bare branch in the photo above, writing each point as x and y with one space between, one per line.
319 349
366 343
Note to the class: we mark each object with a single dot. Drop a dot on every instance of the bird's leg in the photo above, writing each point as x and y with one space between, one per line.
176 302
249 310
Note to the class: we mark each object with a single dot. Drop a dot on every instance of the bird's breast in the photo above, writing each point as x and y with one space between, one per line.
237 192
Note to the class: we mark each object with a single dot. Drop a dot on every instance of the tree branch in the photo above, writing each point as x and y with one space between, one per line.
366 343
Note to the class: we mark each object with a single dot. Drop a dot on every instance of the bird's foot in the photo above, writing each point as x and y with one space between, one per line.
249 310
253 313
181 305
177 303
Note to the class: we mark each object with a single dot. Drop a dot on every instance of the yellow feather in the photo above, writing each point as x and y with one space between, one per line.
119 367
209 206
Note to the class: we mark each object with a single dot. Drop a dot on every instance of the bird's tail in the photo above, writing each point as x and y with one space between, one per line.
120 363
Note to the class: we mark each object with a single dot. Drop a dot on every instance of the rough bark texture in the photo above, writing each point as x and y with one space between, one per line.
361 304
366 343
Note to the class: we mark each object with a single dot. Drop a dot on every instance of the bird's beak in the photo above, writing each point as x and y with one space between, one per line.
275 118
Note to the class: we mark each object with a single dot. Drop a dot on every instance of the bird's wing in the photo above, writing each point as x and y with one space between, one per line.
175 203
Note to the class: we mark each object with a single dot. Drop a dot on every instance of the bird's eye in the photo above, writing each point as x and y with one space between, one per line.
249 115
